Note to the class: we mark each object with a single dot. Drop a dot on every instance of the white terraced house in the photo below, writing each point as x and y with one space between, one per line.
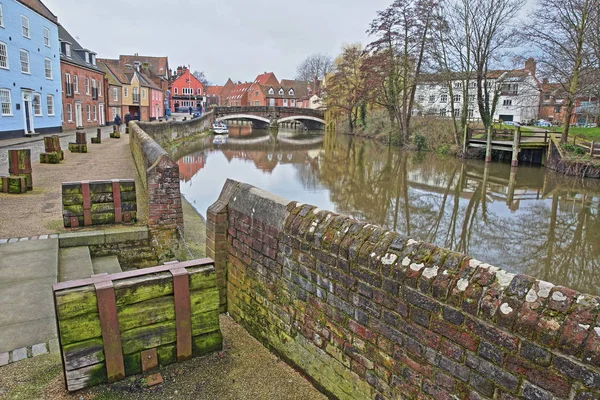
519 99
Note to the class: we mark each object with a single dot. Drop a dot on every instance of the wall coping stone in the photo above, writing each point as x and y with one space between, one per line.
105 236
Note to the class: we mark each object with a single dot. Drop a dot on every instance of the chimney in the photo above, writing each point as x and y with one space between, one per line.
179 71
137 65
530 66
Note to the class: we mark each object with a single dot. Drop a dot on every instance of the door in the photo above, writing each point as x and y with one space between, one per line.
78 116
101 117
27 113
272 102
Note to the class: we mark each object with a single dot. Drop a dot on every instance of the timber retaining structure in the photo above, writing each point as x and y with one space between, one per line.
367 313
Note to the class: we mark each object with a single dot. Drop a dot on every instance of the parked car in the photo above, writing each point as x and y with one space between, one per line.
512 123
543 123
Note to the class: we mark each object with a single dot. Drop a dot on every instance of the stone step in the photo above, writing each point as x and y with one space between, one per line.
108 264
74 263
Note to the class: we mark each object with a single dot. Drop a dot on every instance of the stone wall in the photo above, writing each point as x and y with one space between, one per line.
165 132
367 313
118 325
557 162
160 177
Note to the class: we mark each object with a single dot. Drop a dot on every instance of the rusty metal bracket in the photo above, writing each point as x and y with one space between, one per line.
109 323
116 188
87 206
183 320
149 359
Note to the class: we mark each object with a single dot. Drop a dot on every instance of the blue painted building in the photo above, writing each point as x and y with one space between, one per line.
30 77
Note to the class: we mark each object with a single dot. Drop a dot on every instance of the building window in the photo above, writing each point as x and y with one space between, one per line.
176 91
68 87
115 94
100 88
93 59
420 98
69 112
271 91
24 61
457 85
199 91
68 50
114 111
444 98
457 112
293 102
471 98
457 98
25 26
3 55
443 112
507 103
291 92
1 16
46 37
125 91
37 105
87 86
95 113
281 92
48 68
5 101
432 99
75 83
285 102
87 57
471 113
144 94
50 104
557 109
89 112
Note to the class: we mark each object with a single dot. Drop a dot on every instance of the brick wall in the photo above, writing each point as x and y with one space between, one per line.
160 177
367 313
165 132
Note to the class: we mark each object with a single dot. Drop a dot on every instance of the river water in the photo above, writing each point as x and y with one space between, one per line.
531 221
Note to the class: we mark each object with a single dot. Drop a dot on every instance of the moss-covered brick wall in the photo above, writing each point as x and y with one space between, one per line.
103 201
160 177
165 132
146 318
369 314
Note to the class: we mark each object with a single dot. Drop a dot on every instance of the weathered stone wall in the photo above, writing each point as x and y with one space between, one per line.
160 177
165 132
106 323
367 313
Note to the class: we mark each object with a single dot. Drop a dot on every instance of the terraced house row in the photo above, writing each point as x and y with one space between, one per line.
49 82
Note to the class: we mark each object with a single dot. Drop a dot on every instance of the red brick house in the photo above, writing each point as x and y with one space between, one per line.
213 94
288 94
186 91
238 95
83 94
227 88
256 95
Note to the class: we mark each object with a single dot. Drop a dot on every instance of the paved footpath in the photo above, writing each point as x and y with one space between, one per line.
39 212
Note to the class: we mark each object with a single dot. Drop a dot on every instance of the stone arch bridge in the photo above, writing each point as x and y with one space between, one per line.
272 116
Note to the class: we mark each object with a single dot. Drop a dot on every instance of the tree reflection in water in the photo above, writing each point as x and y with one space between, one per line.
527 220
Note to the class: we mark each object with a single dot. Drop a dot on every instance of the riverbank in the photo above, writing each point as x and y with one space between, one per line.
243 370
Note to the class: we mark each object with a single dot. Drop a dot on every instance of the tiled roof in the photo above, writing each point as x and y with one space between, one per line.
214 90
40 8
263 79
115 68
77 54
110 76
158 65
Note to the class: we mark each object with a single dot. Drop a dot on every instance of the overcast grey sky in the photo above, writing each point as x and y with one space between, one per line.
223 38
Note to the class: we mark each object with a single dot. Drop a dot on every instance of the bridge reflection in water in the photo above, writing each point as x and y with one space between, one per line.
527 220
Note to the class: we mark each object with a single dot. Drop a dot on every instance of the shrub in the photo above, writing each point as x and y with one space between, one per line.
419 141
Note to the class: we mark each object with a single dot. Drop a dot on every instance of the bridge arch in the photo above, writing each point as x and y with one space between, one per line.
244 116
301 118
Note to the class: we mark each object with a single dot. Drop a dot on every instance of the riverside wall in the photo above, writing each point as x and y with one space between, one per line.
368 314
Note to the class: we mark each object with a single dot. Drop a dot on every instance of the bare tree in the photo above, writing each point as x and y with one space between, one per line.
201 77
314 66
346 88
562 32
400 35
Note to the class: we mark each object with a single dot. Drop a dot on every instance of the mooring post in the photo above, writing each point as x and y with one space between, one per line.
488 147
516 147
19 164
512 181
465 139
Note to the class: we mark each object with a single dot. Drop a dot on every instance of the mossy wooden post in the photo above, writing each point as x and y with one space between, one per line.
516 147
19 164
488 146
80 138
466 139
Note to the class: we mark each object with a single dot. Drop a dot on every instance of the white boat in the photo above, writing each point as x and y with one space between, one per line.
219 128
220 139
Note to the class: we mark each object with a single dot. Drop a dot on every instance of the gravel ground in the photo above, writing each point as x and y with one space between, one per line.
39 212
243 370
36 147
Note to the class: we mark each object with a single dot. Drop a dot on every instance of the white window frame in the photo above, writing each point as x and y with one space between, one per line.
21 52
75 84
87 86
37 112
271 91
88 112
48 71
46 37
199 91
68 50
281 92
69 112
99 88
444 98
115 94
95 112
1 16
4 96
50 104
507 103
25 31
456 98
5 47
291 92
285 102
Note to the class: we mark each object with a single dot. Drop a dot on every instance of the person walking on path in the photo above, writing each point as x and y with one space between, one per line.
190 110
118 122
